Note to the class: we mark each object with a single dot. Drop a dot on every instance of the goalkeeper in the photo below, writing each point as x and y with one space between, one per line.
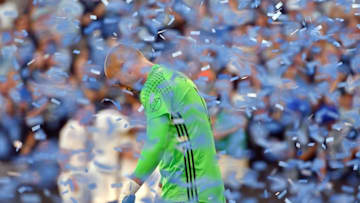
179 134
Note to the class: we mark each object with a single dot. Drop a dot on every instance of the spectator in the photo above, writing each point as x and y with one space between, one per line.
230 138
73 159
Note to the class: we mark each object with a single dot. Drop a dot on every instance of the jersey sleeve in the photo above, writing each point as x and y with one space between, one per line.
157 131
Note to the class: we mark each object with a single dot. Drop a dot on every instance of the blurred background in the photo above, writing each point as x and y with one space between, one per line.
280 78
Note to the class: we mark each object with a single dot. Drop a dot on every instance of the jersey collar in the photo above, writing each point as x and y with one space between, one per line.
153 69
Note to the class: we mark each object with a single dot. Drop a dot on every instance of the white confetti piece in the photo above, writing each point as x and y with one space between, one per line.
224 1
283 164
319 27
13 173
279 106
128 1
30 62
336 43
205 68
355 5
276 15
162 36
100 48
159 10
303 181
253 95
339 19
253 39
297 29
195 33
128 92
55 101
75 51
234 78
287 200
329 139
20 41
35 128
191 39
93 17
161 31
172 19
279 5
96 72
156 22
348 124
149 38
141 108
113 102
23 189
265 43
282 194
311 144
105 2
175 54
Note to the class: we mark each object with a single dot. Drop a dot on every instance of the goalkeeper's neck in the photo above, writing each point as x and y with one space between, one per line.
142 70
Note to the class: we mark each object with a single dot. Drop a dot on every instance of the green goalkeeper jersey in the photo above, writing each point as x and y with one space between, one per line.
179 139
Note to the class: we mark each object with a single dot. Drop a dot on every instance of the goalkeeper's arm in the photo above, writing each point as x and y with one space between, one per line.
150 156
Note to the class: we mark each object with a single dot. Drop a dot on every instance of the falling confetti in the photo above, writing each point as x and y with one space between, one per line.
284 119
175 54
105 2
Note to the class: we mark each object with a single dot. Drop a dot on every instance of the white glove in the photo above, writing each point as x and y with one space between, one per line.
130 187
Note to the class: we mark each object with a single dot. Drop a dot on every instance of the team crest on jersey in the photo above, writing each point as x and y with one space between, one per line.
155 104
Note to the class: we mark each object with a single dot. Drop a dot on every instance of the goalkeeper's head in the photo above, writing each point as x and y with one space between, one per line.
126 67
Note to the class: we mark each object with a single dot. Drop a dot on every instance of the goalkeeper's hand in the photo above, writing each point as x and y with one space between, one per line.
128 191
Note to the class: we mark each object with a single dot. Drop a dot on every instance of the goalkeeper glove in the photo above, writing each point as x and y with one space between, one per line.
128 191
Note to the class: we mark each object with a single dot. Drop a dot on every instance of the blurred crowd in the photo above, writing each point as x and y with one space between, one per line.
280 79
